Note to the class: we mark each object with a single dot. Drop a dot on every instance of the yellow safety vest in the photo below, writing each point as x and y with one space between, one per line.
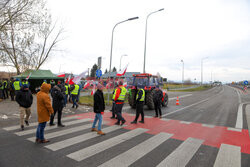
122 94
75 91
17 85
67 88
113 98
1 87
25 83
143 95
6 85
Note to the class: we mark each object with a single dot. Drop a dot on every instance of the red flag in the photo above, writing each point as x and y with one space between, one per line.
93 90
61 75
87 84
28 76
122 72
77 79
71 82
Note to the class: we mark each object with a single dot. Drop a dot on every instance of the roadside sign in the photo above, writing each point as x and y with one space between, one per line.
98 73
245 82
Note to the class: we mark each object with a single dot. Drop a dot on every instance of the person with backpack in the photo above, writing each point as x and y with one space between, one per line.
157 98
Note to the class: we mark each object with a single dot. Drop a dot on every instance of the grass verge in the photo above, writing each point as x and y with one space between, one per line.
200 88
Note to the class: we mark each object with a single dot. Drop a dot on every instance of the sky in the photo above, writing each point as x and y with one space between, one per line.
215 33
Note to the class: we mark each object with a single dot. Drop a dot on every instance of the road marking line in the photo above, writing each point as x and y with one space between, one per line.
63 132
99 147
193 104
228 156
185 122
78 139
127 158
248 117
173 98
209 126
165 119
182 154
234 129
239 121
53 127
146 116
36 123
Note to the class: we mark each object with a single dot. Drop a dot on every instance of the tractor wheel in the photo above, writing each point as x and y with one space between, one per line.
165 101
149 100
131 99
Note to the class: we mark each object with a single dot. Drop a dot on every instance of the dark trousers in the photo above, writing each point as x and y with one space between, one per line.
118 111
6 94
59 116
74 99
157 107
113 109
12 95
139 110
1 94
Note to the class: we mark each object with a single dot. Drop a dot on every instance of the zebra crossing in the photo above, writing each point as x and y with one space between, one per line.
74 138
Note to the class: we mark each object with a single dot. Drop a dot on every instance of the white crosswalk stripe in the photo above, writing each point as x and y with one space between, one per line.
182 155
26 132
63 132
228 156
78 139
127 158
94 149
36 123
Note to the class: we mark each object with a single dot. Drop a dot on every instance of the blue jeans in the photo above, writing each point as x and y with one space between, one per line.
74 98
98 116
40 131
65 100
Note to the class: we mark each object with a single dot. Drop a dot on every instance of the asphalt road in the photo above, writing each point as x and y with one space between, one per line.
208 128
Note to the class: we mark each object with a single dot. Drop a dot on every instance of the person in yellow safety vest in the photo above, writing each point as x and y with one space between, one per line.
5 89
140 98
1 90
66 94
25 82
74 92
113 104
17 85
120 94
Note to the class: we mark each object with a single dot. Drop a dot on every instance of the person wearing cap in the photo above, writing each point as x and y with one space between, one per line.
25 99
99 107
120 94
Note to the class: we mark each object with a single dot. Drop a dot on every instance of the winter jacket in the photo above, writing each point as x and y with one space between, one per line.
58 98
157 95
44 107
24 98
99 105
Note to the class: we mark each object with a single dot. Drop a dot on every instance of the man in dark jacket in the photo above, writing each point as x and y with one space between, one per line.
25 99
99 107
157 98
12 89
57 104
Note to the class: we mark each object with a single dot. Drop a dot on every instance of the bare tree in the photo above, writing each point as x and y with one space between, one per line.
28 37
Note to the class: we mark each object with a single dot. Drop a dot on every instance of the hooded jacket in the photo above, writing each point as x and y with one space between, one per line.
44 107
58 98
24 98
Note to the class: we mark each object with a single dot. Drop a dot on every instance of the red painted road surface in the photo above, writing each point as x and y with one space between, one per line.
212 136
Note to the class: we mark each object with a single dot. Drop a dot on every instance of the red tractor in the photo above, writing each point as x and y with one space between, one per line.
148 82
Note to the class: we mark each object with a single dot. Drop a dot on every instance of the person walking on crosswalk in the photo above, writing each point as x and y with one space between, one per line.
44 111
99 107
120 94
140 97
25 99
157 97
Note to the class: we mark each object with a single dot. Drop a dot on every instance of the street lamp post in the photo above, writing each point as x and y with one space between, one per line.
202 68
121 60
145 43
133 18
182 72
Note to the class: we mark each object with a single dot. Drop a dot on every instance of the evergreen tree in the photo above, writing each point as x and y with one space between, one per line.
93 70
106 71
114 69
